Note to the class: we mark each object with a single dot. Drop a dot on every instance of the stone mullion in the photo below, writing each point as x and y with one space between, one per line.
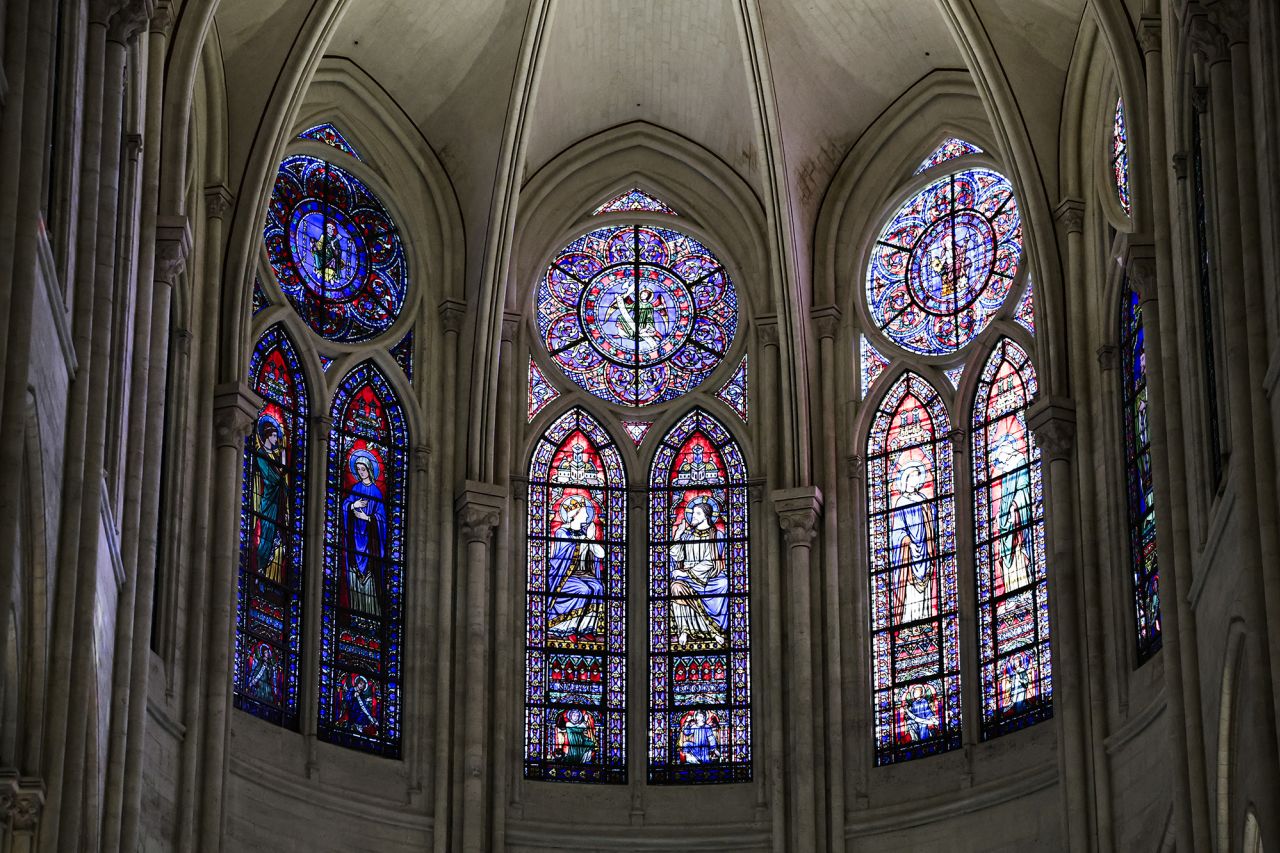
966 587
515 666
421 579
317 482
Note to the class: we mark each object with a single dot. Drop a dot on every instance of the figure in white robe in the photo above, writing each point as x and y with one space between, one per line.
913 544
699 582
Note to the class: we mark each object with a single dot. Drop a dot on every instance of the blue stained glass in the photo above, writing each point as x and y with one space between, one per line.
260 301
915 634
331 136
1120 158
954 375
325 363
335 251
699 619
945 262
633 199
576 602
637 430
873 364
1013 587
362 603
1026 312
272 536
734 392
1144 562
403 354
637 315
541 392
950 149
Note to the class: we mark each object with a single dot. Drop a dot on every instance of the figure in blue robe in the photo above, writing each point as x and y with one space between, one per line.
920 719
357 702
365 524
573 573
699 743
264 675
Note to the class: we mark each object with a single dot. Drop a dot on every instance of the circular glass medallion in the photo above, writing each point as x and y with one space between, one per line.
945 262
637 315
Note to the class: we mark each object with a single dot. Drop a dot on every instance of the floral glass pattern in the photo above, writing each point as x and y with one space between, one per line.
950 149
541 392
873 364
1013 591
734 392
403 354
914 624
637 314
576 601
699 626
335 250
637 430
1140 486
633 199
1025 315
331 136
1120 158
362 603
272 527
945 262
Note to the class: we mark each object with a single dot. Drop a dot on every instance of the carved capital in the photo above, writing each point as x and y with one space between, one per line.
130 19
1108 357
1149 33
510 327
479 508
755 490
1204 35
1070 215
798 513
1231 17
21 801
173 245
1181 164
218 201
133 146
421 457
1053 420
855 467
1200 99
959 440
826 321
768 327
101 12
1140 266
452 313
235 410
519 488
162 19
181 341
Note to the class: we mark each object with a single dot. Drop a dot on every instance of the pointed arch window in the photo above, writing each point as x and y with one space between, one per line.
362 604
1120 157
699 620
576 602
272 526
1013 593
915 635
1140 489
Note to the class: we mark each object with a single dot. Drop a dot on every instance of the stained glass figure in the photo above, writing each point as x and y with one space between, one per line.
699 626
637 430
633 199
576 602
734 392
272 540
954 375
325 363
1013 591
335 251
950 149
331 136
403 354
1025 314
912 539
541 392
1141 488
873 364
636 314
362 603
260 301
1120 157
945 262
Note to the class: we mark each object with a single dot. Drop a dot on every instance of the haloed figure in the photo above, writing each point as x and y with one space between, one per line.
326 253
574 573
699 607
365 526
1013 560
270 504
575 737
912 543
699 738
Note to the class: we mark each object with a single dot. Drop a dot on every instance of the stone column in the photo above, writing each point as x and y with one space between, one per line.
21 804
967 600
1053 422
479 508
422 608
799 510
313 586
235 410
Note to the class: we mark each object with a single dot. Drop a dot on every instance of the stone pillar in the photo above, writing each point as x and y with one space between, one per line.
799 511
21 804
422 608
479 508
1053 422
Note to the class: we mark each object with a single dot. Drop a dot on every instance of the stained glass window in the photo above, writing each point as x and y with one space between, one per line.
1204 282
541 392
873 364
331 136
633 199
637 430
260 301
950 149
1120 157
272 525
325 363
914 625
335 251
575 668
945 262
1141 488
699 629
403 354
734 392
1025 314
362 604
1013 592
954 375
636 314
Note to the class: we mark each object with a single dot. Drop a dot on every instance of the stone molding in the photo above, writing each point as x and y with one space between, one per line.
162 18
768 327
479 508
1149 33
1070 215
798 511
452 312
218 201
235 410
21 800
510 326
1140 264
1053 420
1231 17
826 321
1204 36
130 20
173 246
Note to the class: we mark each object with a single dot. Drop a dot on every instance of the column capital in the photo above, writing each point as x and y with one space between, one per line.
826 321
173 245
130 19
1204 36
768 326
1140 266
21 801
1180 165
218 201
798 513
1070 215
510 326
1150 33
479 508
235 410
1053 420
421 457
755 489
855 467
959 440
133 146
1200 100
1232 19
519 487
162 18
452 312
321 426
1108 356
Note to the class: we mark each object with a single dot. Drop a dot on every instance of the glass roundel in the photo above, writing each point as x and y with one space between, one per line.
637 314
945 262
335 251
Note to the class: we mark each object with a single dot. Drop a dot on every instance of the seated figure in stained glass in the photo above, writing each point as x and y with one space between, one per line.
574 571
699 583
575 737
919 720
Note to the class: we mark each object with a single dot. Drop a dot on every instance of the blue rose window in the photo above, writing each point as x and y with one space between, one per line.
335 251
945 262
637 315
